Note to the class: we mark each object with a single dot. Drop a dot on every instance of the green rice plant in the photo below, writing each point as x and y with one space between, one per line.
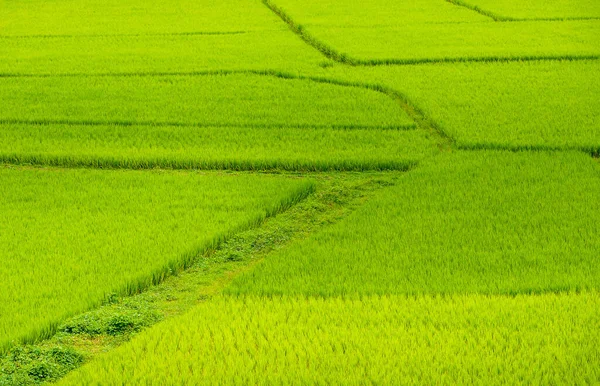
470 339
471 222
228 99
417 31
509 10
71 237
186 147
527 105
277 49
115 17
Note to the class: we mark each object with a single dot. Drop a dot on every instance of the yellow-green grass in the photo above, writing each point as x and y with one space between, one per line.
232 99
536 9
469 339
214 147
486 222
540 104
70 237
277 49
393 32
115 17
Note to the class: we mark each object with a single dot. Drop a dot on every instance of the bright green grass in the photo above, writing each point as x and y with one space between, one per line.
209 100
503 105
112 17
70 237
473 339
117 54
539 9
471 222
390 31
214 147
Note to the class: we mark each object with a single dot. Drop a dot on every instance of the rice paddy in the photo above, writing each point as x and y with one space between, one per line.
299 192
470 339
72 237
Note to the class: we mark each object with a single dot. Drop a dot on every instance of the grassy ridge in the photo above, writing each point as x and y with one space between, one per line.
184 147
510 105
277 49
474 222
548 339
209 100
429 31
70 237
538 9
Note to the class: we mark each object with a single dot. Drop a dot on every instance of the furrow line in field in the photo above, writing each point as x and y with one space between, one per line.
208 124
501 18
481 59
233 165
194 33
479 10
594 151
299 30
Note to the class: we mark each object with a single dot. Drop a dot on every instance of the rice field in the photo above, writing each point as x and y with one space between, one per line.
520 105
299 192
545 10
422 31
466 339
72 237
469 223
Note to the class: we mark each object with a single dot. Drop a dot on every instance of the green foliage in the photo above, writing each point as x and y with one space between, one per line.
472 339
115 17
71 237
186 147
416 31
531 105
34 365
155 53
227 99
472 222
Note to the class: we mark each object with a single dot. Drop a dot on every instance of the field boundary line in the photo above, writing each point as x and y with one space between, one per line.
354 63
68 36
299 30
47 122
118 163
593 151
501 18
481 11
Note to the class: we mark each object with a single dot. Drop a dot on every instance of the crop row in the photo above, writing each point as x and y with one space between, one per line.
71 237
548 339
472 222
